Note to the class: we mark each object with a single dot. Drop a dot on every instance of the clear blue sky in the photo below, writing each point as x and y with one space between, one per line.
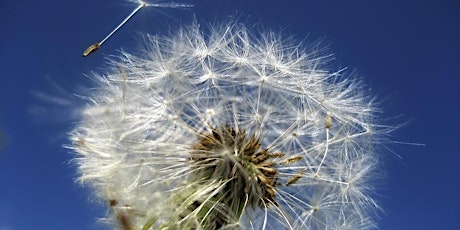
407 51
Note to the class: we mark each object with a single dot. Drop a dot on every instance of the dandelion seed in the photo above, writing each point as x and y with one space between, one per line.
229 131
94 47
328 123
292 160
294 179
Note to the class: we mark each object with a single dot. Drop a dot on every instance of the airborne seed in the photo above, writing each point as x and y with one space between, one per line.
91 49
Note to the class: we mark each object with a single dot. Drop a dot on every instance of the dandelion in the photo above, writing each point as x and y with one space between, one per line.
229 130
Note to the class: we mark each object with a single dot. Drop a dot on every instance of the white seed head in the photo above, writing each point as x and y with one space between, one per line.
229 130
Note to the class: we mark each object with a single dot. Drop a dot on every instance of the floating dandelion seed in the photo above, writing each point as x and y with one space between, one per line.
229 131
94 47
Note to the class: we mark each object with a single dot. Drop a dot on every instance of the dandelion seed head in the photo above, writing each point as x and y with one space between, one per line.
229 130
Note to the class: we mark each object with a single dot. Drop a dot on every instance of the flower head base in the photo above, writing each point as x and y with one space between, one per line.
226 154
229 131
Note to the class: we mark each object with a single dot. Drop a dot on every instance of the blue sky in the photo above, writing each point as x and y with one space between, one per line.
408 52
